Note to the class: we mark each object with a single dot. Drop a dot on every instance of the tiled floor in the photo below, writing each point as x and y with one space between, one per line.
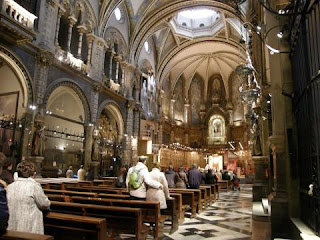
230 218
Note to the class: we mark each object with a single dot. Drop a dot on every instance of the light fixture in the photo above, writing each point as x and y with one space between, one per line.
280 34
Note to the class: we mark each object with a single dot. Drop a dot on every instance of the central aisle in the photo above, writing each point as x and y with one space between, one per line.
228 218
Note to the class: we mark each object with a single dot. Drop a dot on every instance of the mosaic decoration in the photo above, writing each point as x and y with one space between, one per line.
195 100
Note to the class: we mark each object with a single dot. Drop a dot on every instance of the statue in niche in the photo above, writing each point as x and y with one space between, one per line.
216 91
95 149
256 147
38 140
217 128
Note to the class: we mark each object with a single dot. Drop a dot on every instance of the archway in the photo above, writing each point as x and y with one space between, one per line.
107 139
64 128
15 95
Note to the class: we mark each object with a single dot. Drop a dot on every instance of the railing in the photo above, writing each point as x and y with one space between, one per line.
18 13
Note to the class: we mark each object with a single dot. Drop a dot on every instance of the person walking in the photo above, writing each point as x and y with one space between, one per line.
138 178
156 194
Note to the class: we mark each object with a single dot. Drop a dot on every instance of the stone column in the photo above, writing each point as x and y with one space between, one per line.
172 101
26 138
56 40
110 66
122 80
44 59
90 39
72 21
81 30
117 70
96 71
47 18
279 75
88 130
260 184
130 78
160 136
129 129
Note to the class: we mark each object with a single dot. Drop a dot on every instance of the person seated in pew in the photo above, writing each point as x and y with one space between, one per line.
170 174
138 178
121 179
181 179
4 212
6 174
156 194
26 201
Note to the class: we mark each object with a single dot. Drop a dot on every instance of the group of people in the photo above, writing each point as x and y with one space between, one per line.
22 200
82 175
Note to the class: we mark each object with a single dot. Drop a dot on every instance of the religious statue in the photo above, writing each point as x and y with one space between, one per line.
256 148
216 91
38 140
95 149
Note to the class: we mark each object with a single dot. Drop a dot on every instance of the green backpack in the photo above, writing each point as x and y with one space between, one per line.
134 181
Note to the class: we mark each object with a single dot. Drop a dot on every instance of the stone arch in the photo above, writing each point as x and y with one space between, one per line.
76 88
116 112
118 37
21 72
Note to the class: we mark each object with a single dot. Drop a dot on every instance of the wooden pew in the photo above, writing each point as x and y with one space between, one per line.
209 194
187 199
70 193
94 189
119 219
204 195
213 192
15 235
150 210
180 208
225 185
116 196
74 227
217 191
197 196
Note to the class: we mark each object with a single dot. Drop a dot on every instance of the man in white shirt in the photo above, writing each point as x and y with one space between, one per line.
81 173
144 179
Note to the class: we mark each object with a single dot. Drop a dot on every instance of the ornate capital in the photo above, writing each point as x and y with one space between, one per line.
72 20
82 28
96 88
276 143
131 104
44 58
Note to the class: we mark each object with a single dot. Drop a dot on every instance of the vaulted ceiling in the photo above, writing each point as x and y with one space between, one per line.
174 54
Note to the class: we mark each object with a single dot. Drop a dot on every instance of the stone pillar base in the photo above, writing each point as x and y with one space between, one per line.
280 222
260 186
95 167
37 160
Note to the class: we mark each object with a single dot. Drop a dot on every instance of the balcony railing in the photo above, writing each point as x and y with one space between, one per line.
18 13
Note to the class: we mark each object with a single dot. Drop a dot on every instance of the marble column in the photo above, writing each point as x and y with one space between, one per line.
123 66
72 21
117 71
56 40
90 39
130 78
26 138
81 30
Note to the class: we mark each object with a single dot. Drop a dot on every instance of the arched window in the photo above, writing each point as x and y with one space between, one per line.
201 24
117 14
147 46
63 33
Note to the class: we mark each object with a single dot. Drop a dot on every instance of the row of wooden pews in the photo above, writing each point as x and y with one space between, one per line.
100 200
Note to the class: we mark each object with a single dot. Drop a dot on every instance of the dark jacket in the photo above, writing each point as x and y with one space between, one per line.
170 178
6 176
211 178
4 212
195 177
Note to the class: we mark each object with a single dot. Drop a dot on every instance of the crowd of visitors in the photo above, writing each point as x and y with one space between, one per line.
22 199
